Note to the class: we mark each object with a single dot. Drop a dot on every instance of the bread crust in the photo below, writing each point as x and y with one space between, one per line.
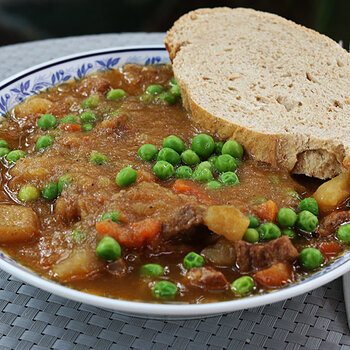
299 153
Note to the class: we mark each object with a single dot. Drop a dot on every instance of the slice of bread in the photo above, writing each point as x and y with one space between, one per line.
280 89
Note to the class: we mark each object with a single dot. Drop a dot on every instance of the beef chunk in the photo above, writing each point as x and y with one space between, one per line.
207 277
113 125
257 256
330 224
94 84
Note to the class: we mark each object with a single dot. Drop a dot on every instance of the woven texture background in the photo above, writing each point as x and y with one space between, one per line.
34 319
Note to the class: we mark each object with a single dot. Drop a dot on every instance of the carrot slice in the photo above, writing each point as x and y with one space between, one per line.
70 127
329 249
274 276
136 235
190 188
268 211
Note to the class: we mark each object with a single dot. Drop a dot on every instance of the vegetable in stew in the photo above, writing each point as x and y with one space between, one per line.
109 186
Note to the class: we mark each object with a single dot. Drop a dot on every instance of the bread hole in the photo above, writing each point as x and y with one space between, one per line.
290 85
300 104
238 98
228 50
340 63
311 78
231 88
287 102
338 104
206 78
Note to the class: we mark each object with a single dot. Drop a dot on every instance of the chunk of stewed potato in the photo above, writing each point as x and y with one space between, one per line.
17 223
226 220
79 264
332 192
36 105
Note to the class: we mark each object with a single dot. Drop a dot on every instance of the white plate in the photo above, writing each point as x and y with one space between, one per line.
38 78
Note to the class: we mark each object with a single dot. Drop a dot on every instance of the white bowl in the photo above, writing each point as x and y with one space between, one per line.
38 78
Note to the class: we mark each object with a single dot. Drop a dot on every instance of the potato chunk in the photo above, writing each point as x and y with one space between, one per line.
17 223
227 221
33 106
332 192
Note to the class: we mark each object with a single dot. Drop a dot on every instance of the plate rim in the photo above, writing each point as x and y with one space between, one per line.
143 309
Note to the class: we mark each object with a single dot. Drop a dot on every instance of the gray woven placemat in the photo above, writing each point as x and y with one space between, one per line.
34 319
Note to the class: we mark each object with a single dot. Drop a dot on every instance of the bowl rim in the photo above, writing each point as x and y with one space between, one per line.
143 309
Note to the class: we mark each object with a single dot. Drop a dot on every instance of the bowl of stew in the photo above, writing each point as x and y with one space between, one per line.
112 195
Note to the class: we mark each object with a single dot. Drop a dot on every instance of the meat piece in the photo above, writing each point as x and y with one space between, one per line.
94 84
330 224
117 268
17 223
175 212
115 124
275 276
182 219
207 277
257 256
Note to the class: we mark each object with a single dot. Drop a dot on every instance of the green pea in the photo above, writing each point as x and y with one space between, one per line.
229 178
213 185
163 169
212 161
307 221
98 158
310 258
269 231
109 249
126 177
203 145
88 116
146 98
233 148
47 121
175 143
310 205
63 182
251 235
254 222
224 163
175 91
202 175
343 233
28 193
154 89
183 172
189 157
164 290
4 144
69 119
15 155
218 147
286 217
91 102
193 259
169 155
87 127
205 164
112 215
4 151
167 97
289 232
147 152
243 285
43 142
50 191
116 94
152 270
172 81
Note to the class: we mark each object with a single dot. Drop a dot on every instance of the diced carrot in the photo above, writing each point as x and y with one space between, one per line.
267 211
136 235
190 188
329 249
143 175
70 127
274 276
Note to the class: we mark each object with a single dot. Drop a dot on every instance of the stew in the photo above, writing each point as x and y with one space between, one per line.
109 187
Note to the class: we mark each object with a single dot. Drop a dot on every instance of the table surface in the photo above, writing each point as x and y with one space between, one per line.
34 319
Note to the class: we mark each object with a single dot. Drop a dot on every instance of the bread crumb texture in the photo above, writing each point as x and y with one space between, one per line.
280 89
